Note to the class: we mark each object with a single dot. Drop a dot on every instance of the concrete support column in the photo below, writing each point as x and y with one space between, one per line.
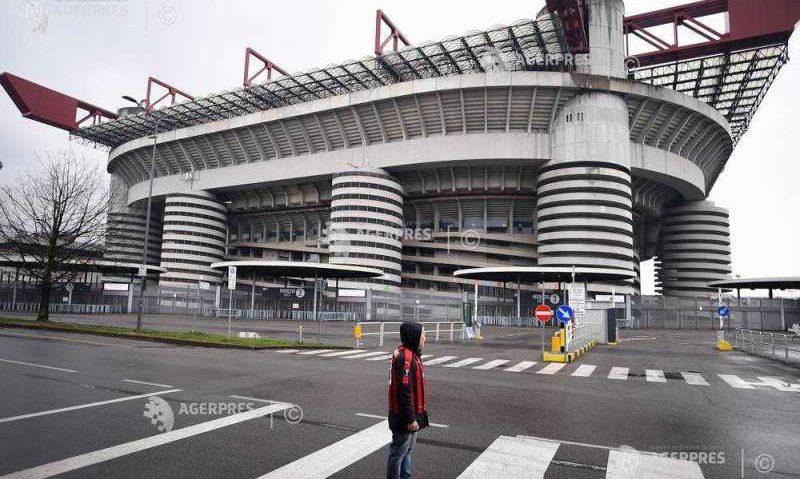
695 248
366 227
193 238
606 40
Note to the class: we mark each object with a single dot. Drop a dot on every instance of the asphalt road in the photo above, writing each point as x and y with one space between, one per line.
86 417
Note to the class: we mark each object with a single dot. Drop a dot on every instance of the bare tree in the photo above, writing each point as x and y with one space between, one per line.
52 221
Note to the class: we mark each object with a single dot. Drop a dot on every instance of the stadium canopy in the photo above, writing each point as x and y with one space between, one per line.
770 284
537 274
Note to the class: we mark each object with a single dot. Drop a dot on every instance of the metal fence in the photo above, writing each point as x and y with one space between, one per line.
780 346
62 308
761 314
435 331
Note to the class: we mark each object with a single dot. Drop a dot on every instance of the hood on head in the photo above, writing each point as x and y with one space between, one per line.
410 334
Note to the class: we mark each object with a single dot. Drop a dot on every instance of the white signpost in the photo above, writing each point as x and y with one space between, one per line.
231 277
231 287
577 299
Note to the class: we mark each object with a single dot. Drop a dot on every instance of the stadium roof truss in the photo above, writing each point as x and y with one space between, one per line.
731 73
527 45
733 83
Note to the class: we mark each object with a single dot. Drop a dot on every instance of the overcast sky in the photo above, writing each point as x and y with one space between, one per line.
98 50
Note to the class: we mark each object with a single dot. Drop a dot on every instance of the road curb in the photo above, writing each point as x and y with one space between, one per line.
568 357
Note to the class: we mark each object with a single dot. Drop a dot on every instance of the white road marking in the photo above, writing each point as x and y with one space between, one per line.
491 364
618 373
694 379
584 370
365 355
56 338
463 362
23 363
582 444
551 368
342 353
84 406
375 416
136 381
336 457
779 384
512 458
248 398
107 454
655 376
521 366
735 381
316 351
380 358
426 356
440 360
635 465
287 351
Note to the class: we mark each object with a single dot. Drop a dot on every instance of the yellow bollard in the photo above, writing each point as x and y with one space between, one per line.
555 342
357 331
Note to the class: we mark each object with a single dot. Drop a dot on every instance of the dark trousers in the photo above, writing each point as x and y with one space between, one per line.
399 464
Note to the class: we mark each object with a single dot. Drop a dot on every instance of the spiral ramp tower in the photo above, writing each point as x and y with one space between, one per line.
695 249
366 226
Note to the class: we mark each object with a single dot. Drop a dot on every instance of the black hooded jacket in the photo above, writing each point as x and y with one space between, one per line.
407 382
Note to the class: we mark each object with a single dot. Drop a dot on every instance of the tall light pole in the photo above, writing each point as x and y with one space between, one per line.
143 269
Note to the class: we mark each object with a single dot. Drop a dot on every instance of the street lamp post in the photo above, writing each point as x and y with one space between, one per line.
143 271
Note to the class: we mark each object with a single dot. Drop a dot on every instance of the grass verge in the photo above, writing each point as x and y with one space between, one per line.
188 338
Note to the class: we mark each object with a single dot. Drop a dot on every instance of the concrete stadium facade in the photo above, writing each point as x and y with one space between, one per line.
424 177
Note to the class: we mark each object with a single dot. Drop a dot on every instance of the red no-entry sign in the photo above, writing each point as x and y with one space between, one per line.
543 313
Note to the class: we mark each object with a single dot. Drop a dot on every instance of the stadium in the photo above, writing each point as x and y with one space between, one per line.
541 143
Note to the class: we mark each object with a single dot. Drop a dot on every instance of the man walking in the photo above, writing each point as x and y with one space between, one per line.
407 414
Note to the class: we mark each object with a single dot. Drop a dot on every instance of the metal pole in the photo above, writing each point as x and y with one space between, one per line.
316 318
143 283
14 294
475 318
253 295
230 311
783 317
519 299
196 311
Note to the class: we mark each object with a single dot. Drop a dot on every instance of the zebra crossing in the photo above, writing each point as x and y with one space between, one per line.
615 373
510 457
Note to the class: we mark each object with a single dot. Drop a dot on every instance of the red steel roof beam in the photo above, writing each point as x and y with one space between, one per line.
395 35
666 16
267 66
573 16
172 92
50 107
751 24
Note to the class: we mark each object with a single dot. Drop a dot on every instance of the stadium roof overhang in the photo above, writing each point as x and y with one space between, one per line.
731 71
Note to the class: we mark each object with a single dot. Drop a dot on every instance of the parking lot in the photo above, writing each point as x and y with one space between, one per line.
84 406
